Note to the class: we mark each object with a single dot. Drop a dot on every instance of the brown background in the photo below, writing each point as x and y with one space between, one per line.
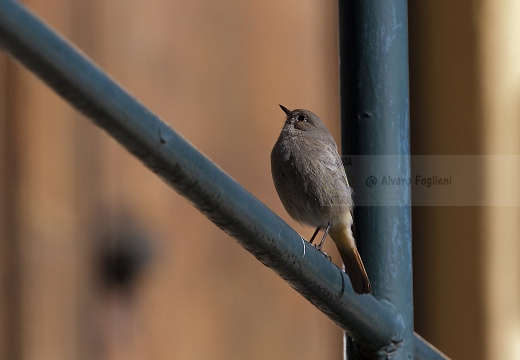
215 71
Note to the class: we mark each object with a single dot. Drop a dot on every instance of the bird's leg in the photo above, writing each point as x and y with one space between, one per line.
315 233
324 237
322 241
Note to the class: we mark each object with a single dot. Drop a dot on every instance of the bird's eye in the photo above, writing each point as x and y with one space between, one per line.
301 118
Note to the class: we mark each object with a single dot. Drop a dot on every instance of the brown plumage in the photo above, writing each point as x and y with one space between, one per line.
311 182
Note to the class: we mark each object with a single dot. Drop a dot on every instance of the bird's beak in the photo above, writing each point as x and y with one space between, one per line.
285 110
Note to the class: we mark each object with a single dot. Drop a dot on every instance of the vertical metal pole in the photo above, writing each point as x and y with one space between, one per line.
375 121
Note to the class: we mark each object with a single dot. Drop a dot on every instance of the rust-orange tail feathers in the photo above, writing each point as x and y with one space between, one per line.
353 264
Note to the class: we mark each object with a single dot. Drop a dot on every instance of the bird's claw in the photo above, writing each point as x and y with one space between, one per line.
323 252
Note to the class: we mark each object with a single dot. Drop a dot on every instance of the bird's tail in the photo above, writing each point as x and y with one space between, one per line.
353 264
356 271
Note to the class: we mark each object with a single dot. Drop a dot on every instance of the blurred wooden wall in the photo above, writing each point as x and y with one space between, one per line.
500 54
465 79
446 119
69 195
73 203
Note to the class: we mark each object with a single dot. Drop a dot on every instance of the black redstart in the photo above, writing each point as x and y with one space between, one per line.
311 182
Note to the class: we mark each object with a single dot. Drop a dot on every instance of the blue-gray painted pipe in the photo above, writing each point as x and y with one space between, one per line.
375 121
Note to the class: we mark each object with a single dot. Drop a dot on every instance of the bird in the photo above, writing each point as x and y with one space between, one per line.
311 182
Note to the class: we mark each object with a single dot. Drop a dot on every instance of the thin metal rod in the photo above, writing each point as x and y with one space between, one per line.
375 121
373 323
426 351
